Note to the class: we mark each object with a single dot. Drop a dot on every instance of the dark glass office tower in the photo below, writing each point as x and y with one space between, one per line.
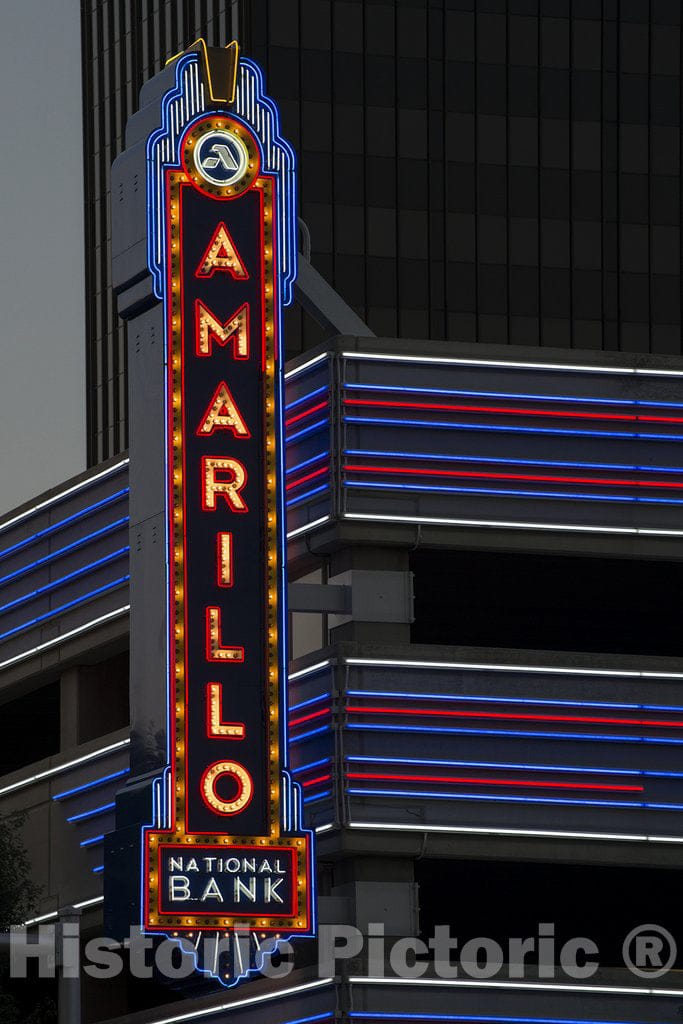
500 171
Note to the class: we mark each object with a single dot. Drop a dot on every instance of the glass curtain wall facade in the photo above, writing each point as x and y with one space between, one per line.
498 171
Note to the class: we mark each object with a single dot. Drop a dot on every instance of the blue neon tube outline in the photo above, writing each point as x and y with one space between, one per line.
324 389
93 841
329 1016
63 523
628 805
64 607
505 460
318 425
311 461
515 493
312 764
551 431
310 494
638 403
312 732
93 813
91 785
511 733
317 796
73 546
311 700
76 574
470 698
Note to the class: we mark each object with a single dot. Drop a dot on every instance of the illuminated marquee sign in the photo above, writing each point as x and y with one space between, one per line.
227 852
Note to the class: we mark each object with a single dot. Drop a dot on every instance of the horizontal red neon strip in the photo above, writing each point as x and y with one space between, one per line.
311 476
314 782
508 716
309 718
495 782
512 476
514 411
303 415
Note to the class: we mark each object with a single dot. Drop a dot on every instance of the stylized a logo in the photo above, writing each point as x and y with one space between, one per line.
223 157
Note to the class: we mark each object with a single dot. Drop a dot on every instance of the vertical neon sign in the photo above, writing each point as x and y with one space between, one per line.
227 852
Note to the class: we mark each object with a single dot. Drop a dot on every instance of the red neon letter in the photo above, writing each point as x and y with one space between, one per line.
215 726
245 787
224 560
228 489
223 414
221 254
215 651
208 329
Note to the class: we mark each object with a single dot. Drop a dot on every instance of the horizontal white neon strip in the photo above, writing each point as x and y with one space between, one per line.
308 671
239 1004
55 913
530 832
496 667
545 986
63 494
305 366
565 367
60 769
571 527
324 828
65 636
309 526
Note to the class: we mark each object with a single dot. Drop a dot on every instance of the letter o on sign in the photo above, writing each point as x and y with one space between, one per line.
240 775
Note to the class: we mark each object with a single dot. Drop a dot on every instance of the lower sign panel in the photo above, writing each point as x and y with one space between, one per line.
230 885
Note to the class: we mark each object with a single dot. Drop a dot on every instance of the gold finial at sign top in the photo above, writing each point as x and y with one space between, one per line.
219 66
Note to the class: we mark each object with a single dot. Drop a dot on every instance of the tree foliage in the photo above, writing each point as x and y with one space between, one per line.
18 892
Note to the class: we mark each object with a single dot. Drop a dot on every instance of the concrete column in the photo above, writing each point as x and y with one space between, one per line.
68 708
381 595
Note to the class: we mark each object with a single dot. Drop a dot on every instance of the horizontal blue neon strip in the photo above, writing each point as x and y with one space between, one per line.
306 398
318 796
93 841
318 425
639 772
311 732
307 703
46 559
371 694
514 493
311 461
84 815
64 607
474 1018
48 588
91 785
627 804
74 518
309 494
580 400
554 431
98 870
321 1016
517 734
312 764
504 460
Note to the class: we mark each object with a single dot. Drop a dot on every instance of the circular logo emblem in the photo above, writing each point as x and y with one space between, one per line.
221 157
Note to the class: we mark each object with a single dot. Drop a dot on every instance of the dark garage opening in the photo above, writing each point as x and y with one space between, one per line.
544 602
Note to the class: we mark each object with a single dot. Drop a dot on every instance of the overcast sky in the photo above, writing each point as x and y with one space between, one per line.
42 339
